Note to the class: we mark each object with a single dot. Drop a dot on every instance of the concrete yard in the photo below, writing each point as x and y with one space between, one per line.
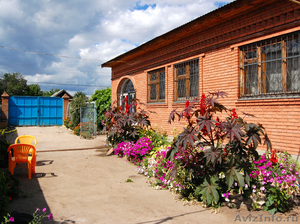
86 186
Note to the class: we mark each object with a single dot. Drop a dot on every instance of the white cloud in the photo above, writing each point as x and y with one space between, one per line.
95 29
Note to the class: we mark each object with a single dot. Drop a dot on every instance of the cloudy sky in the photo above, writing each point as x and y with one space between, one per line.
62 43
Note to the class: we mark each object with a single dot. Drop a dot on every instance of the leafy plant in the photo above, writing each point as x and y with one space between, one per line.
158 138
8 190
79 100
37 217
76 130
124 124
277 200
279 180
67 122
3 153
103 103
135 151
209 191
229 145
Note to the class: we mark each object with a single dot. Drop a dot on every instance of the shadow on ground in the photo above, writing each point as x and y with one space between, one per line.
170 218
32 196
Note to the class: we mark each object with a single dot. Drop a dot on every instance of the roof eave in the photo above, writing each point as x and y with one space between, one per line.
204 22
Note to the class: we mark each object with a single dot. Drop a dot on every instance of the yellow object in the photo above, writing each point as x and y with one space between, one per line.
26 139
30 140
19 153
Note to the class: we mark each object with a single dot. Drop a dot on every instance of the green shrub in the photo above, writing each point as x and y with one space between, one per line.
8 190
3 153
158 138
79 100
67 122
103 103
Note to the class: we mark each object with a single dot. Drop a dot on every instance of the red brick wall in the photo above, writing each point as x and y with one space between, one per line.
66 100
218 50
5 98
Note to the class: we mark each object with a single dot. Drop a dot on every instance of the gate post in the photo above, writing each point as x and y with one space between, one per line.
4 115
66 99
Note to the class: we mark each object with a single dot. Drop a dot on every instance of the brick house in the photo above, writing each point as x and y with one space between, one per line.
249 48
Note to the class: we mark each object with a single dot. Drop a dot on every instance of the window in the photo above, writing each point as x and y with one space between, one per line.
156 85
271 66
186 80
126 88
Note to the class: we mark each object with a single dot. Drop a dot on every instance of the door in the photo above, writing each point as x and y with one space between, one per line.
35 111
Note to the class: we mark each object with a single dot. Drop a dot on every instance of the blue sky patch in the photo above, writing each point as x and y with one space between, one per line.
143 7
220 4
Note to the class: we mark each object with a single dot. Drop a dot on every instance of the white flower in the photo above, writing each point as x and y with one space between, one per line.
221 175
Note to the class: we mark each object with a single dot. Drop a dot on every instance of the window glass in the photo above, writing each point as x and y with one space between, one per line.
186 80
271 66
156 85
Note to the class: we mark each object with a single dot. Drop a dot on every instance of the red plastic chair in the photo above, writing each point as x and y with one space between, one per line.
19 153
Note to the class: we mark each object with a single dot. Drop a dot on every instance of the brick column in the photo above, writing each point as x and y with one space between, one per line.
66 100
5 98
4 117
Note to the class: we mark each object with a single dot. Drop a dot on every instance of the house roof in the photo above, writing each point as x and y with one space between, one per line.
211 19
60 94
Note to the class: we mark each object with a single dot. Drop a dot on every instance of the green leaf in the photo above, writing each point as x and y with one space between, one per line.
232 175
209 190
272 211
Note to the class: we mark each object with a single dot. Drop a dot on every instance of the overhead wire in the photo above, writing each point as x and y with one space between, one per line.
54 55
64 84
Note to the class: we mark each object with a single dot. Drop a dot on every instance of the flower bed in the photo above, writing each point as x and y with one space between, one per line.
214 161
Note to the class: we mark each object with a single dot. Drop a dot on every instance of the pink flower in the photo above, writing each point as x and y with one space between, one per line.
50 216
44 209
11 219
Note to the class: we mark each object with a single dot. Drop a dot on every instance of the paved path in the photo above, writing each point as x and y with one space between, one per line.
57 138
86 186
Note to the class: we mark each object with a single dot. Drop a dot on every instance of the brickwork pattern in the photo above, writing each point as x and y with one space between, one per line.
218 53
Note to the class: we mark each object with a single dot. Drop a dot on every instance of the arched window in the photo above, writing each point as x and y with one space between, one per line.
126 88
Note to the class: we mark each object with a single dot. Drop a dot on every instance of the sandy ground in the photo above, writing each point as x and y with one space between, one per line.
86 186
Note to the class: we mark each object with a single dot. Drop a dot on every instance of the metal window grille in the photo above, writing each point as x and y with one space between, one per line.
156 85
186 80
271 66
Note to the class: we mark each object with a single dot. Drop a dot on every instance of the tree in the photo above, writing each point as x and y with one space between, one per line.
79 100
103 102
13 84
33 90
50 92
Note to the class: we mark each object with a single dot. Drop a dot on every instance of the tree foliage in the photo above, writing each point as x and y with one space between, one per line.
79 100
16 85
103 102
50 92
13 84
34 90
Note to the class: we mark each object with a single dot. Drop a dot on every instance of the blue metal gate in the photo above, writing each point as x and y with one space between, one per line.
35 111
